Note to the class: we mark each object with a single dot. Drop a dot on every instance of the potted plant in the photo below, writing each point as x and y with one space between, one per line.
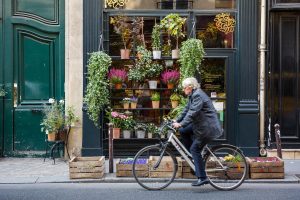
170 77
173 24
126 101
127 125
152 130
117 77
122 26
133 102
97 93
155 36
53 119
166 51
175 98
155 97
140 130
191 48
153 73
116 119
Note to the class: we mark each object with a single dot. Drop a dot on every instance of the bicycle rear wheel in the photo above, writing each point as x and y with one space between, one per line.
150 171
227 168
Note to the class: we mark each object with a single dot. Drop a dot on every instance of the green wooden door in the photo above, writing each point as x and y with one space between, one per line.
34 67
1 82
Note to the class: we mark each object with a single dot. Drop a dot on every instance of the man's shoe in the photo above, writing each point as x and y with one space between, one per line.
200 182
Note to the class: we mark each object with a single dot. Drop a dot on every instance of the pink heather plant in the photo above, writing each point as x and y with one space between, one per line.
117 119
117 75
170 76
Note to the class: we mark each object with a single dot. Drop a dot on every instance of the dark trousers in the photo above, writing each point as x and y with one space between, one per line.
194 146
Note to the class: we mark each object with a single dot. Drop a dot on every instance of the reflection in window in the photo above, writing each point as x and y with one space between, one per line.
213 82
211 37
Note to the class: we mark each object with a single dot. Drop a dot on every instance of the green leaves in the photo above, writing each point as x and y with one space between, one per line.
97 92
191 56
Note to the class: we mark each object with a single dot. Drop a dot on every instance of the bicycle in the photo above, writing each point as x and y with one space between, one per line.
225 164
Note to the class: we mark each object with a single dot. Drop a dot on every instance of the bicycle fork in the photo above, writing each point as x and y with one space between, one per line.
163 149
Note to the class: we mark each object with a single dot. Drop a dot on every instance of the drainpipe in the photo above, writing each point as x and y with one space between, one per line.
262 50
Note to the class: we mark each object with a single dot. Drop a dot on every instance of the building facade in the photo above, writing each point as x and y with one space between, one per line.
44 53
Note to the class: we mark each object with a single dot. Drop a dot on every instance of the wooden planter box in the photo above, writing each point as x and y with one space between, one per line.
266 167
187 171
165 168
124 168
87 167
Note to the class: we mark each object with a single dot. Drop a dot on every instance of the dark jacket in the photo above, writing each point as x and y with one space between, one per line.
201 113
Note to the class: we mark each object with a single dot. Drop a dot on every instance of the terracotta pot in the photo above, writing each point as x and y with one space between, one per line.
116 133
118 85
170 85
126 105
133 105
125 53
51 136
174 104
155 104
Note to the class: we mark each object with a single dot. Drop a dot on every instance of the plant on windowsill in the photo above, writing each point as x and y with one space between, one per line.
127 126
156 45
140 130
170 78
153 74
126 101
155 98
152 130
97 90
173 24
191 56
133 102
117 77
122 26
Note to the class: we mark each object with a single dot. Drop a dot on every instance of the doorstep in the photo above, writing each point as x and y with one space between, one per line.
286 153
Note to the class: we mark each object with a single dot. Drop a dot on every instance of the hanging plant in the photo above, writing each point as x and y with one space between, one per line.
97 93
191 56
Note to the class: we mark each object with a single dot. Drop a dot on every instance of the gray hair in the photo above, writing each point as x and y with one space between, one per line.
191 82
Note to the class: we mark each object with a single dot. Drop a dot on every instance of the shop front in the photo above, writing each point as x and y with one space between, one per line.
228 72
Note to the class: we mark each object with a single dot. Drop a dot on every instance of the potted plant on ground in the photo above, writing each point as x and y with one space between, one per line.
140 130
127 125
173 24
97 92
117 77
126 101
155 98
191 56
152 130
122 26
153 73
133 102
156 42
170 78
175 98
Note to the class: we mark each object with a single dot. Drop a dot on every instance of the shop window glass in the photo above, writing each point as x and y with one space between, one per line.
213 82
212 37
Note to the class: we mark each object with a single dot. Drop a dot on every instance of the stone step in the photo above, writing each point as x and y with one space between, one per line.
286 153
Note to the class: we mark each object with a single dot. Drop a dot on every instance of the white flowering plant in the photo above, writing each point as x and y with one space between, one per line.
55 118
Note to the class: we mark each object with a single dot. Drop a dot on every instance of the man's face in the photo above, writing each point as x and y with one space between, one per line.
187 90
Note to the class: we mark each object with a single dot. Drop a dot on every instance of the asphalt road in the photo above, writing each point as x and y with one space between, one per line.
132 191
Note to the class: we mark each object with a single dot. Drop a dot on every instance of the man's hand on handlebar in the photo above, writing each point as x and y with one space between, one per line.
176 125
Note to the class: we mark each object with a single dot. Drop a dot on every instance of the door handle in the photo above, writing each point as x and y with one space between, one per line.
15 94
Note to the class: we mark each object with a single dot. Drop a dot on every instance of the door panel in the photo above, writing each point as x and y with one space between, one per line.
34 30
284 78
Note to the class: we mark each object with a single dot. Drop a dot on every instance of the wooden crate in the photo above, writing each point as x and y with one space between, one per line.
125 170
266 167
87 167
187 171
165 168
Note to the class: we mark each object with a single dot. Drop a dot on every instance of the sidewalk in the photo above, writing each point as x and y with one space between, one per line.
35 170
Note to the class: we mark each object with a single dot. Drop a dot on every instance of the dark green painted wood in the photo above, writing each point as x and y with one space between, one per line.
247 112
1 82
92 141
34 60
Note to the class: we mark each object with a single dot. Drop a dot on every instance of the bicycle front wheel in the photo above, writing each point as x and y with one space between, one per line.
154 168
226 168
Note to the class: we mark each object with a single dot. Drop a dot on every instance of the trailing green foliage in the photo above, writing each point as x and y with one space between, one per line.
97 93
191 56
155 36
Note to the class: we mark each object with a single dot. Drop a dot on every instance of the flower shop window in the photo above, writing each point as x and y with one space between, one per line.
213 34
131 34
213 82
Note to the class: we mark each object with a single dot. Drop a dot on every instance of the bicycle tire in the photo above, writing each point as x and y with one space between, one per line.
150 178
234 162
